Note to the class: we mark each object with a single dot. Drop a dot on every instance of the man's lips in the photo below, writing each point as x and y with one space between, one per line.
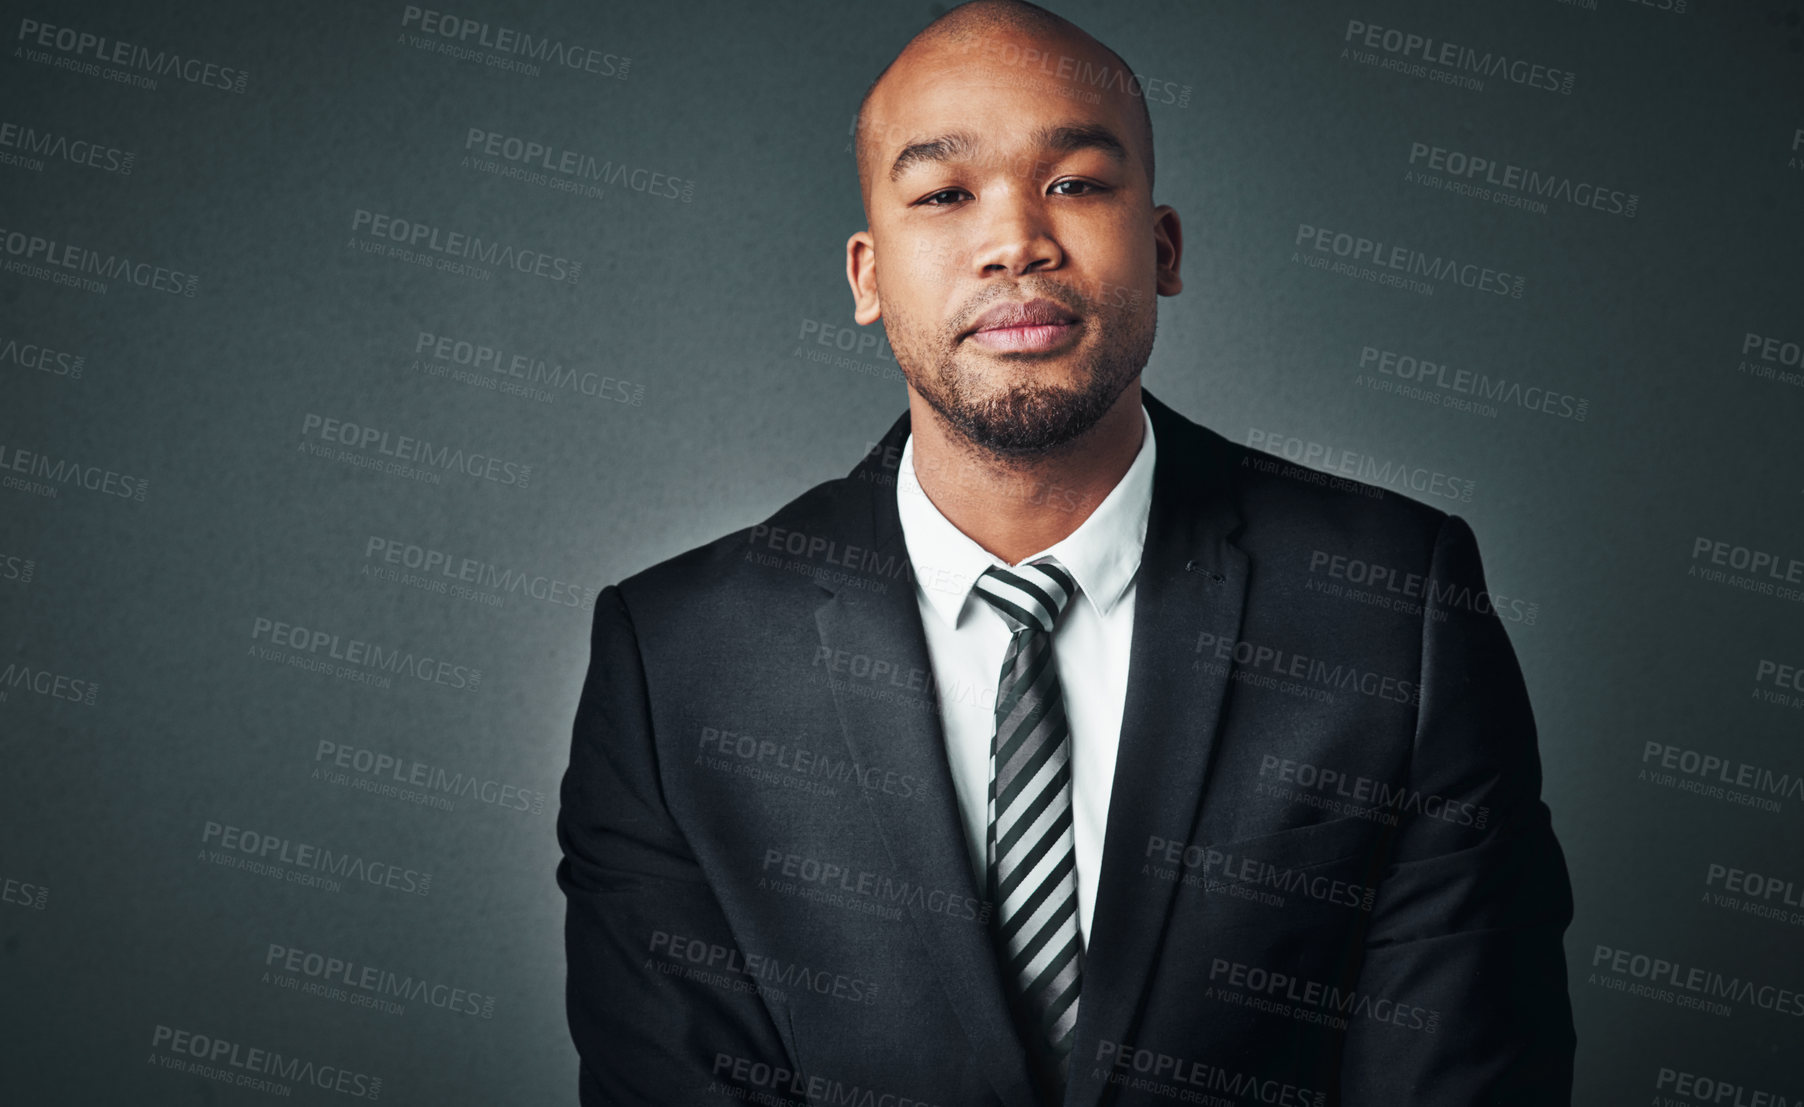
1034 326
1034 340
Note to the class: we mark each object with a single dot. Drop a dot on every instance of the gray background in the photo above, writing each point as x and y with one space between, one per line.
705 305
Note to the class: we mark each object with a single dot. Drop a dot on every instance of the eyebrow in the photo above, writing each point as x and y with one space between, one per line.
1063 138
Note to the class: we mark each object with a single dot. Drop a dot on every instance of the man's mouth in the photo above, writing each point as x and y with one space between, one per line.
1037 326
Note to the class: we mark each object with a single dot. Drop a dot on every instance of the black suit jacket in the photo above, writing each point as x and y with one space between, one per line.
1327 878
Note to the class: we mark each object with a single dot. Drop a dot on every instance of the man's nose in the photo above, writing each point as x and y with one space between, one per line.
1017 237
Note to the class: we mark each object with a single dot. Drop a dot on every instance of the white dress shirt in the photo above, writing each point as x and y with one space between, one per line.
966 639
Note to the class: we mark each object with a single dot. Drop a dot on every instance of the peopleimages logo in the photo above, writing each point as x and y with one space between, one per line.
450 244
1713 1090
1247 877
1408 479
529 154
49 476
19 676
468 578
325 647
1279 993
1708 987
42 258
1068 68
505 47
78 46
1476 170
417 451
437 786
1314 670
369 986
1122 1058
303 862
1373 794
1414 54
24 893
1717 777
33 355
484 365
1774 359
33 144
763 968
1765 572
1404 260
1480 386
1372 580
253 1067
14 567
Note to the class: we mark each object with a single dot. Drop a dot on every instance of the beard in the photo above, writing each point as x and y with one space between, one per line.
1023 418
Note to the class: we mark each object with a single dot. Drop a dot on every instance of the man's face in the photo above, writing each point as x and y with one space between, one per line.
998 185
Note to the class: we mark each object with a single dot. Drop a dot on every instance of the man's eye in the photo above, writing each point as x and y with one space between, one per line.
1086 185
929 200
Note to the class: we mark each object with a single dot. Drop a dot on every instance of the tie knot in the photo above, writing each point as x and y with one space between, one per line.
1030 595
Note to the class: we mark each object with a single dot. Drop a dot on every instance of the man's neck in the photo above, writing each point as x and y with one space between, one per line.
1014 508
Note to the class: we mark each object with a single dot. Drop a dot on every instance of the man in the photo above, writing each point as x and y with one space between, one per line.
1064 751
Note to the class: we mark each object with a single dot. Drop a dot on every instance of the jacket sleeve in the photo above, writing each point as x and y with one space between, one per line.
644 1033
1466 929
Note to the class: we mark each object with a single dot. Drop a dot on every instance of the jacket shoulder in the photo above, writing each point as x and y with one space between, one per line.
724 569
1284 503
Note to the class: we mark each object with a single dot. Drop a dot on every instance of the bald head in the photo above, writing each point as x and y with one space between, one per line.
988 32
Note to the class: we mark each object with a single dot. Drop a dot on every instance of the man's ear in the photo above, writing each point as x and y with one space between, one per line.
861 274
1168 248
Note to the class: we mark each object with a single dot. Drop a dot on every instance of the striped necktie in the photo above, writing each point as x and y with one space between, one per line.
1030 852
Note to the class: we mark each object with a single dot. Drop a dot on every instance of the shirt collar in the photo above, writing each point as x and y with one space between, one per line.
1102 554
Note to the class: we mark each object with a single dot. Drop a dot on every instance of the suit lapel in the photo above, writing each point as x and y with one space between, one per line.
926 852
1191 579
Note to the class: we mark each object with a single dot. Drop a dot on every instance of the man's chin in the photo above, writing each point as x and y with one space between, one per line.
1023 422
